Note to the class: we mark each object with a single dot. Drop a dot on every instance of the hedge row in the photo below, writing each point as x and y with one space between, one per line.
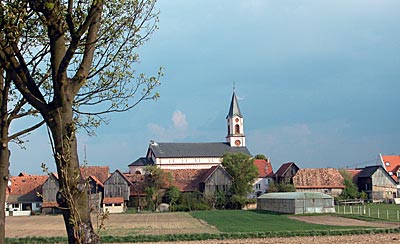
208 236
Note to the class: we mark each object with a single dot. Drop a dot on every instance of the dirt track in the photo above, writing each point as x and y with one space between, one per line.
354 239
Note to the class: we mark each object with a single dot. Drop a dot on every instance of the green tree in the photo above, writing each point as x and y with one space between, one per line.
173 195
241 167
286 187
260 156
155 179
86 50
350 190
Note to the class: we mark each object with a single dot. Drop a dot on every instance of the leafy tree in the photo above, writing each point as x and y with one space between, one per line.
85 51
260 156
173 195
350 190
286 187
241 167
12 107
281 187
272 187
155 179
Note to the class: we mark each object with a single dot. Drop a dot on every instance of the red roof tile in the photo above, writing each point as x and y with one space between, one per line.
27 184
110 200
318 178
392 164
264 168
188 179
100 172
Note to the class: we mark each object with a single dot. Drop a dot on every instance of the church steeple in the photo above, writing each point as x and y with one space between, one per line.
235 136
234 109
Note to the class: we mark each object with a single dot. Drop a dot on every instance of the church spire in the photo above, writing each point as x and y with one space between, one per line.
235 136
234 109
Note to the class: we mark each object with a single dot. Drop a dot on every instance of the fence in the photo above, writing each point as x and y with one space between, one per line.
384 211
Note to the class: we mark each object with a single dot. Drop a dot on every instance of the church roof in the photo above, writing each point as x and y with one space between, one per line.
234 109
142 162
188 150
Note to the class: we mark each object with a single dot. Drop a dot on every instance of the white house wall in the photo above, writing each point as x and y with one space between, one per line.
184 163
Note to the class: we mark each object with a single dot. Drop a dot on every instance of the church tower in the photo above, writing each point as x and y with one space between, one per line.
235 137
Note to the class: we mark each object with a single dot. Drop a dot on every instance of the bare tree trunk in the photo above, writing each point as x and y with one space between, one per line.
4 155
72 195
4 174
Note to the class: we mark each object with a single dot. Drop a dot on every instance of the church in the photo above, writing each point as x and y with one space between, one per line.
196 155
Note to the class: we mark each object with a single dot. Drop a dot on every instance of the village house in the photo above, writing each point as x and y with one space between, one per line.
325 180
285 173
376 182
25 194
94 176
391 163
264 178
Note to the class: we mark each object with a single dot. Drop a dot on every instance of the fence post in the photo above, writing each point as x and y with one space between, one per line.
344 209
387 213
351 209
369 212
397 215
378 213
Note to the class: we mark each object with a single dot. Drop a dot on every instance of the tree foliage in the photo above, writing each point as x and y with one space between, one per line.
81 54
155 180
260 156
241 167
172 196
350 190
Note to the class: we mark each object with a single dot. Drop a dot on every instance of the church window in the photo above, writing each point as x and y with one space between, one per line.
237 129
229 129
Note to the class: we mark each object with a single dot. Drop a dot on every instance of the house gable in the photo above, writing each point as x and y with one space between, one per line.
117 185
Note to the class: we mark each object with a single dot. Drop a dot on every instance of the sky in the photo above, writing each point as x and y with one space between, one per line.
318 84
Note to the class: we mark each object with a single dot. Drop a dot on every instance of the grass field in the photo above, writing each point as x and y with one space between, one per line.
253 221
381 212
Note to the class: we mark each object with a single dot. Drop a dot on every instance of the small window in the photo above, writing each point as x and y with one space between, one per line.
258 186
390 173
237 129
387 163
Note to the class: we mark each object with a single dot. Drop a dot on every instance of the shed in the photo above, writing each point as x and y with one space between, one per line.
296 202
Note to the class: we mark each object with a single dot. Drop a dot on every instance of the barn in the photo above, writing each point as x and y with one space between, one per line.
296 202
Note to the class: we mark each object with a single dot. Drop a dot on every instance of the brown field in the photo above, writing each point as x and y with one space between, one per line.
172 223
116 224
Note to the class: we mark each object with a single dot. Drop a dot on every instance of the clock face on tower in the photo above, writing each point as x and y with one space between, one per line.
237 142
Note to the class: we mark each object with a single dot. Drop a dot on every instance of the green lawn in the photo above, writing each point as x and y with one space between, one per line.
381 212
255 221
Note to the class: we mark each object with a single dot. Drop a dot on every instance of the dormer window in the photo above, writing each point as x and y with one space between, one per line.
387 163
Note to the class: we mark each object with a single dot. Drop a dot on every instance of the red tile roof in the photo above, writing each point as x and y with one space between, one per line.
27 184
100 172
110 200
187 179
264 168
392 164
318 178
